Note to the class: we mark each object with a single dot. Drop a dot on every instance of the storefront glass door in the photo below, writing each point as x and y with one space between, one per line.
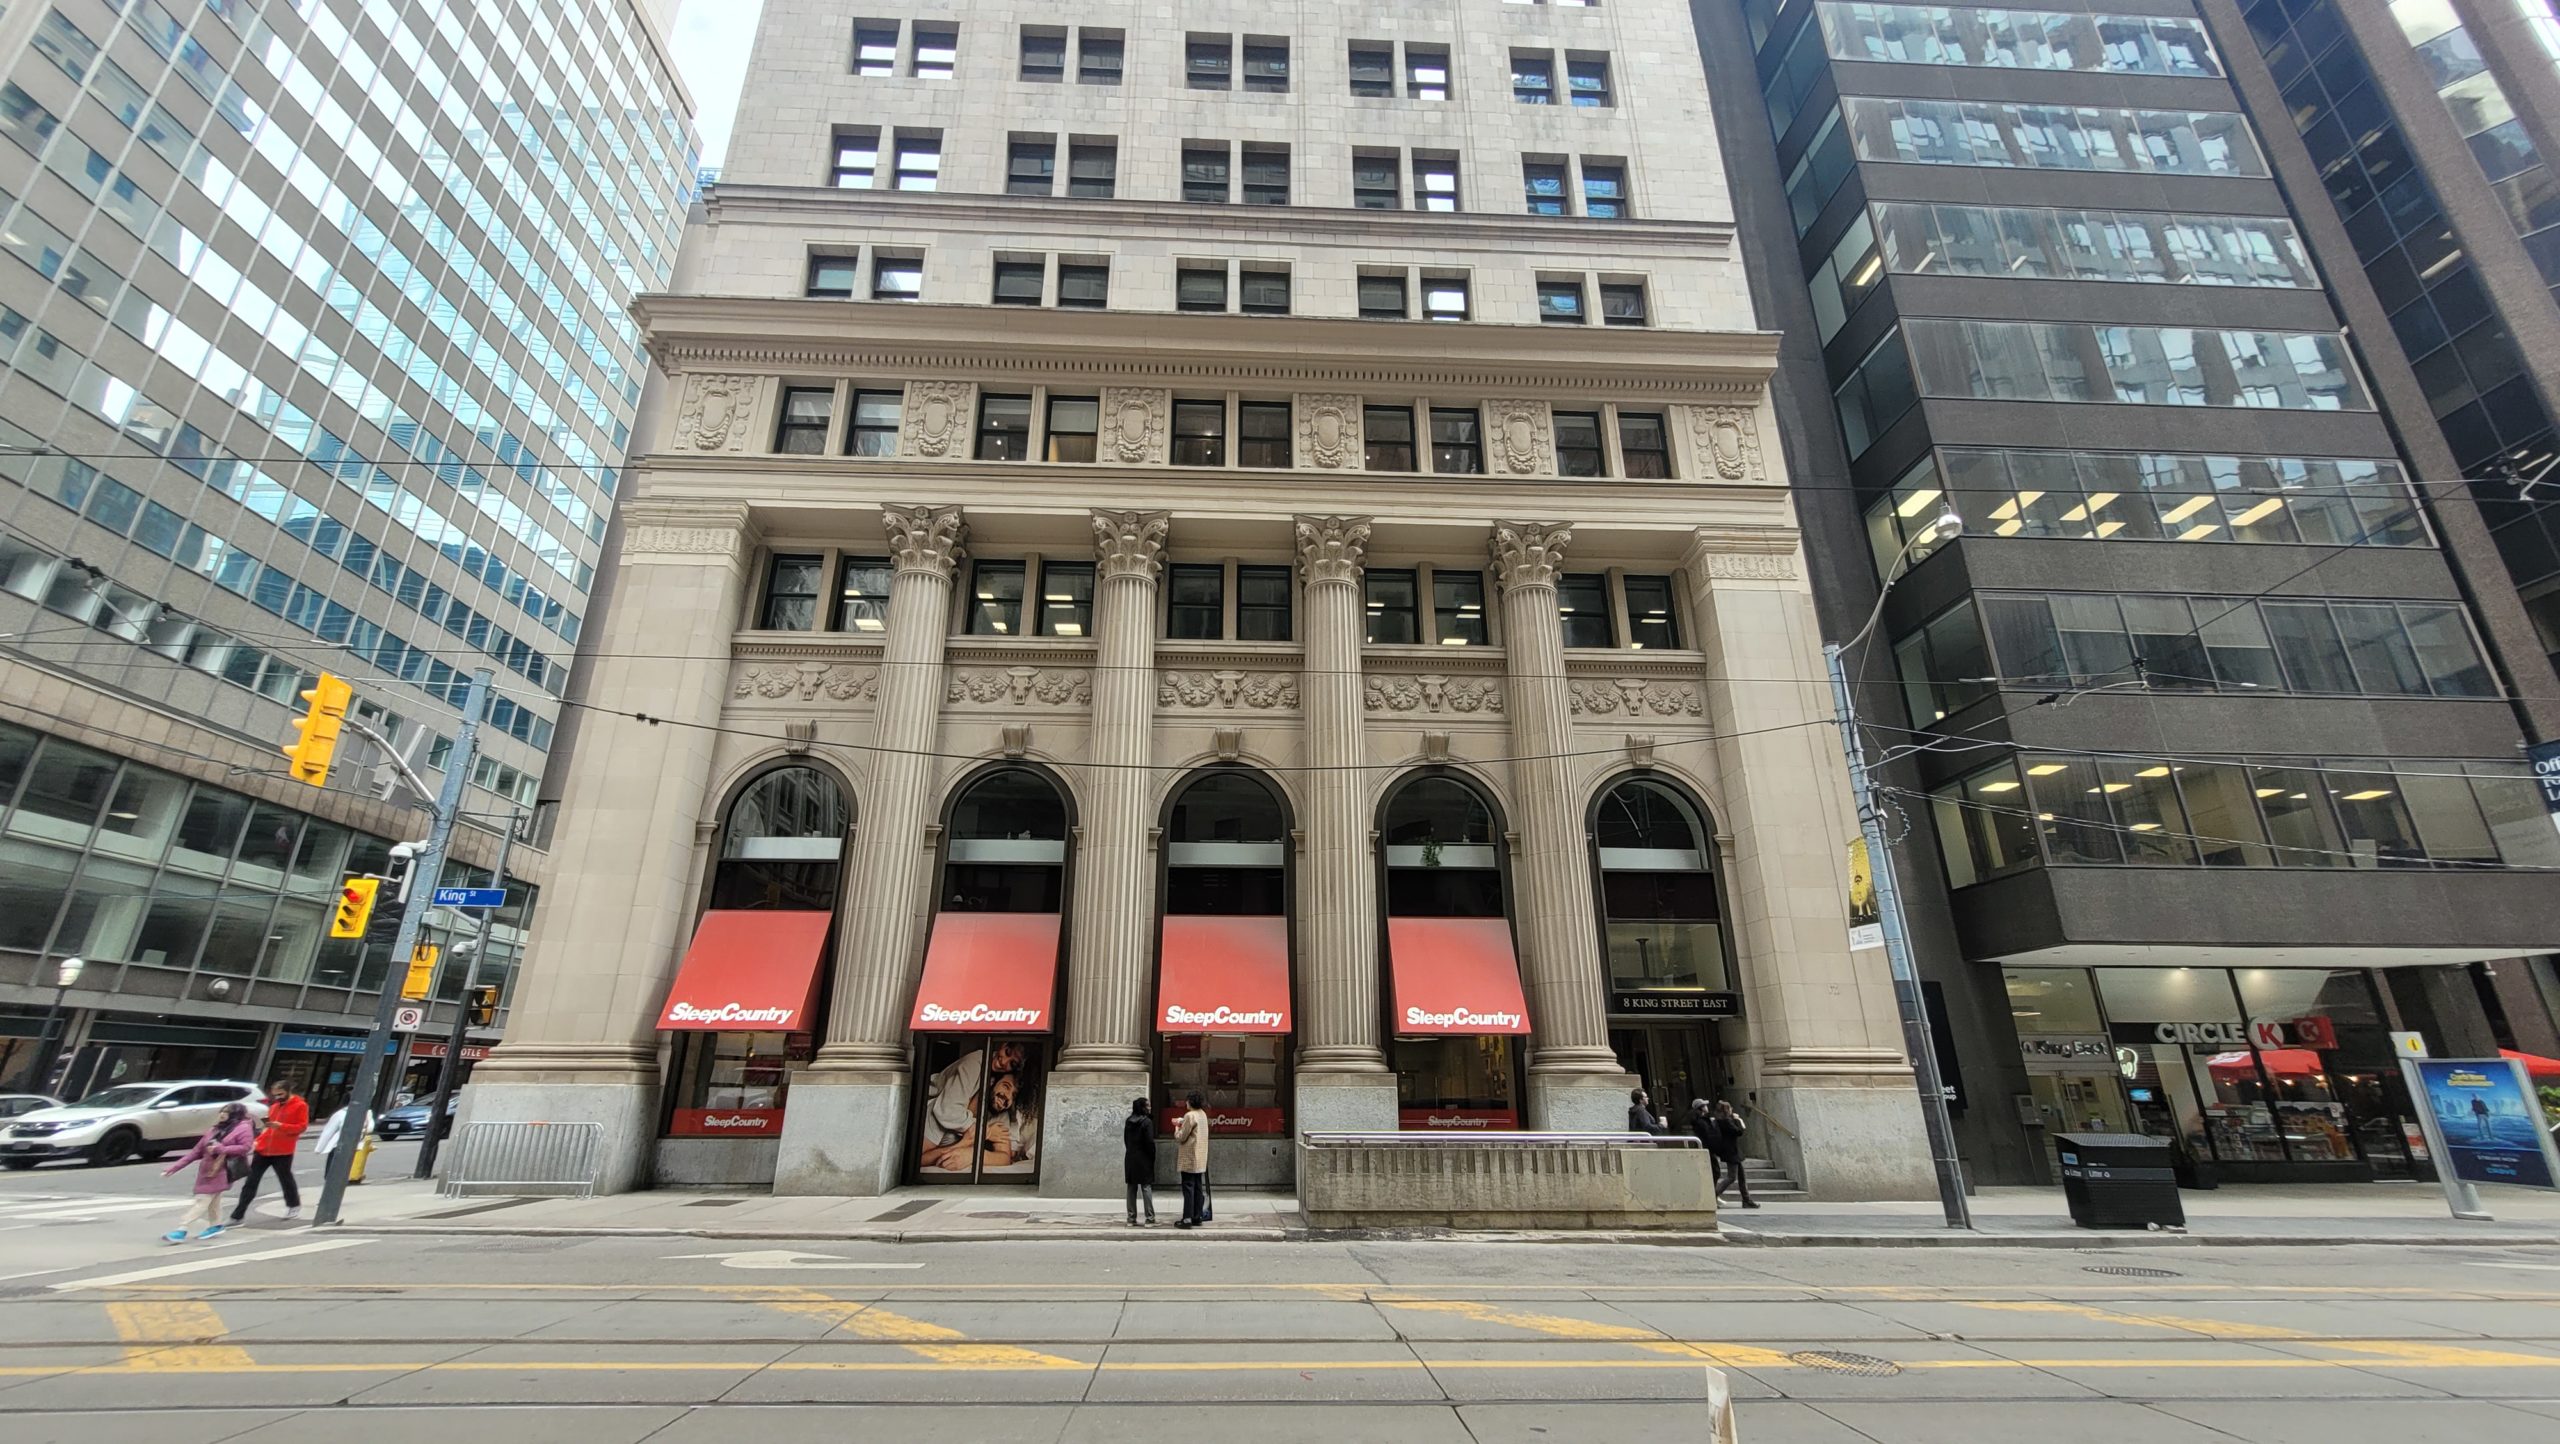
978 1108
1675 1062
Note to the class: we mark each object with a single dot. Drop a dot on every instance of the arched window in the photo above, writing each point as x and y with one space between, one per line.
1226 848
782 845
1441 860
1007 850
1223 990
1658 890
1449 954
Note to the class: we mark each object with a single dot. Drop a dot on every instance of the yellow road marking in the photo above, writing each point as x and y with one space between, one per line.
175 1336
932 1341
2209 1328
1702 1290
1554 1326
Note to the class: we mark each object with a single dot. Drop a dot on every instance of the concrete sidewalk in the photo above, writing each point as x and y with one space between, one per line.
2258 1215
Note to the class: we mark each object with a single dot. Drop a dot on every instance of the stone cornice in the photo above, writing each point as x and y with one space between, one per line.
1031 345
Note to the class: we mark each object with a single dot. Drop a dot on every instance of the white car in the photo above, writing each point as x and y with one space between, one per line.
18 1105
126 1121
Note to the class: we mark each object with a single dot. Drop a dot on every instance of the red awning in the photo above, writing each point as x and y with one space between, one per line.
2535 1065
749 972
1224 975
1455 977
988 973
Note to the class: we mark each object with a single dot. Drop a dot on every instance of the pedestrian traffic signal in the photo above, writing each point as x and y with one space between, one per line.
316 730
422 971
484 1005
355 907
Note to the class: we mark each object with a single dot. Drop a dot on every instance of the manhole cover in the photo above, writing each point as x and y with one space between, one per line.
715 1203
2130 1271
1839 1361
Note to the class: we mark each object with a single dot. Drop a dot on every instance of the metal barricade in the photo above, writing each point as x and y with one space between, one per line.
536 1160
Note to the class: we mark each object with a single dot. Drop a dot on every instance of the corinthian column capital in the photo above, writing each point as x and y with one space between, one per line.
925 538
1330 548
1529 553
1130 543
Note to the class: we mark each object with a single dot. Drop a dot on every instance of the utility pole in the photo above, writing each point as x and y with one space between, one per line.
427 864
449 1076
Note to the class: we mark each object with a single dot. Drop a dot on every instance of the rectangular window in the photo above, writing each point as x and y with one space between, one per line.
897 278
1457 608
1392 603
1031 166
1457 441
1588 79
1382 298
1199 433
862 594
1204 173
1195 602
806 413
1622 304
791 594
919 160
1262 291
1533 77
1093 169
1044 54
1066 599
1644 445
1435 180
1020 283
1444 298
1084 284
1262 434
1209 63
1544 180
857 158
1377 180
1074 421
1388 434
875 48
1266 65
1653 621
1604 191
1560 302
1373 69
1262 604
937 51
1582 603
1579 451
875 423
1426 72
1004 428
1266 175
832 277
995 598
1200 288
1098 56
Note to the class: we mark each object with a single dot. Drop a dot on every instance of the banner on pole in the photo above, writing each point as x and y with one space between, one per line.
2489 1120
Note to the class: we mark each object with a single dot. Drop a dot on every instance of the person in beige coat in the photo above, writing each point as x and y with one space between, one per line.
1191 1154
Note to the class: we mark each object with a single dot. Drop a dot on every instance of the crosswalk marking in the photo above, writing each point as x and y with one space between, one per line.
58 1207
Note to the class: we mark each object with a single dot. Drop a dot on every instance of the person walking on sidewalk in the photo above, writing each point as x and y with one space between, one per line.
1138 1159
1727 1148
1640 1117
288 1114
220 1157
1191 1156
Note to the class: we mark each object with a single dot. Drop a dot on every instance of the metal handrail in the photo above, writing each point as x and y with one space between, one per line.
1553 1140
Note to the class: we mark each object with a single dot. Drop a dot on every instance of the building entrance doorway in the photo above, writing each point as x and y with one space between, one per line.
978 1108
1676 1061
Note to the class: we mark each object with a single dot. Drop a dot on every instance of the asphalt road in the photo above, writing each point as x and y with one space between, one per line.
280 1333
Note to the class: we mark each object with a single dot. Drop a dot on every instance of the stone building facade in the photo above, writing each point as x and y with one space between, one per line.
1053 680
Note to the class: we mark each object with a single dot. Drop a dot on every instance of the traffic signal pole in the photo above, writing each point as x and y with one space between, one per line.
418 889
450 1075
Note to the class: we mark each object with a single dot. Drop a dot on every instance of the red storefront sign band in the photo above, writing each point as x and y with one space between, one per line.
726 1123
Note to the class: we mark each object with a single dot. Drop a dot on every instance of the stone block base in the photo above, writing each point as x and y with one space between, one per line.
716 1162
1847 1144
628 1111
1581 1102
842 1137
1080 1147
1474 1183
1346 1103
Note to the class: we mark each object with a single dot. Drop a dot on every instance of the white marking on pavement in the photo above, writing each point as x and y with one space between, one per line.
60 1212
200 1265
783 1258
2542 1268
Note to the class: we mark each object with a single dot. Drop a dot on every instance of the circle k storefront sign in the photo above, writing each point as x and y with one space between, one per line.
2265 1034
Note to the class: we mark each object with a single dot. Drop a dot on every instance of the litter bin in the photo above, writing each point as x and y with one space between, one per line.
2119 1180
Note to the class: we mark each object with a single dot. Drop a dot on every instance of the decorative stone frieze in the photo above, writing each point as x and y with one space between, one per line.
1134 425
678 541
1636 697
1330 548
1021 686
1529 553
807 682
926 538
1728 442
1130 543
1516 434
1431 693
716 412
1227 688
1329 432
938 417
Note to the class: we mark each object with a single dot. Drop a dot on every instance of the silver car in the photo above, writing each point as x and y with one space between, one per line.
129 1120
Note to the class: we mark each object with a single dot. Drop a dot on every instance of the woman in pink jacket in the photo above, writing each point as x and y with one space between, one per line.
227 1141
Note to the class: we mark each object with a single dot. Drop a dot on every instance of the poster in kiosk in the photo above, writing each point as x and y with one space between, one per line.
2483 1117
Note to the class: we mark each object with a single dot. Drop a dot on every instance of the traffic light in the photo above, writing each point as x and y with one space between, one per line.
355 906
422 971
484 1005
316 730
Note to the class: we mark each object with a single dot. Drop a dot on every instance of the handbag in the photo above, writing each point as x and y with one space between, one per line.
234 1167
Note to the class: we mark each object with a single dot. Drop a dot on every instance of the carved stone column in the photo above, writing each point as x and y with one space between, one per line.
847 1112
1111 950
1823 1044
1342 1078
582 1040
1573 1077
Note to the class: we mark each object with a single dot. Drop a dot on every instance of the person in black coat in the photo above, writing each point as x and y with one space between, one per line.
1640 1117
1723 1137
1138 1159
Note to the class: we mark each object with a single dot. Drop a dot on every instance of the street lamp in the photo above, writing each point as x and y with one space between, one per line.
1907 997
65 974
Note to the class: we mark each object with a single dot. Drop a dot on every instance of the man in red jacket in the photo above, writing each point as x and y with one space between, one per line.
287 1116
